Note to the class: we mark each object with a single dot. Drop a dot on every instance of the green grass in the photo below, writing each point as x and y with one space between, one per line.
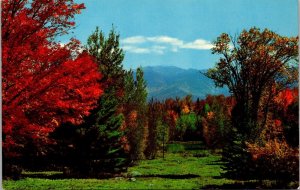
190 168
140 183
175 148
178 164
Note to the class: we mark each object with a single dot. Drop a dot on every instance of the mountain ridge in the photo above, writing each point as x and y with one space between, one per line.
169 82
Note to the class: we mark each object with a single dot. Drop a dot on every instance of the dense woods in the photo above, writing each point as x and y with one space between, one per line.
74 108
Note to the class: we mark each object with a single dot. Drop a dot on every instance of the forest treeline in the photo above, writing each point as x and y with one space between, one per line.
74 108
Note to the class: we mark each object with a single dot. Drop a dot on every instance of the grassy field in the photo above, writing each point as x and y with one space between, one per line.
185 166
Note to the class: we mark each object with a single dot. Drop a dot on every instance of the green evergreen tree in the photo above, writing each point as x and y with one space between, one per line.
109 56
236 158
129 92
98 148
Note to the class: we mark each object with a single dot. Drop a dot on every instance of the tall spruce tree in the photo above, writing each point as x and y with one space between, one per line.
97 146
107 119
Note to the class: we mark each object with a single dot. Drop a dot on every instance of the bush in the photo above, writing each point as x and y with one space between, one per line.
275 160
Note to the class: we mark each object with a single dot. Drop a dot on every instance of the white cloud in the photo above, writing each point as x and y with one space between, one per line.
134 49
134 40
143 50
166 39
158 49
142 44
174 49
198 44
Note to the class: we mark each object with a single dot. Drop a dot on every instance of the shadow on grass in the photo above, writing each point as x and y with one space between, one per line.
45 176
253 185
214 163
169 176
71 176
236 185
62 176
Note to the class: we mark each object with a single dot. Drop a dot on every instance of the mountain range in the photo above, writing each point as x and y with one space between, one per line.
169 82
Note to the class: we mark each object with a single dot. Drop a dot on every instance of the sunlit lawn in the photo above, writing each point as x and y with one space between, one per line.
180 169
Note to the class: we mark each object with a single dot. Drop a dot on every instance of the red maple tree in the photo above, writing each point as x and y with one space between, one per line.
286 97
44 83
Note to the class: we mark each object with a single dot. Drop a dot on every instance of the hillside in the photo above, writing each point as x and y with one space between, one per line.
168 81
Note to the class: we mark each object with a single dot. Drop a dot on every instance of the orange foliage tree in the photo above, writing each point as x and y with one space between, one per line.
255 66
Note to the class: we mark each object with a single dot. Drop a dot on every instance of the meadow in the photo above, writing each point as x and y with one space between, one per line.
187 165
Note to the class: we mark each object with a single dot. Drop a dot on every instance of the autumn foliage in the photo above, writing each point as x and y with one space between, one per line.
275 159
44 83
47 85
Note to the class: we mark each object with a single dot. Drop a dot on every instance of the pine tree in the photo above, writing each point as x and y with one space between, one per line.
98 148
107 117
236 158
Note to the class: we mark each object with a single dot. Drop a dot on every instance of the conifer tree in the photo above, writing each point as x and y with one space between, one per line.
107 148
98 148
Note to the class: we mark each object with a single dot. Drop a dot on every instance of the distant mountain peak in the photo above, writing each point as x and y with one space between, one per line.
169 82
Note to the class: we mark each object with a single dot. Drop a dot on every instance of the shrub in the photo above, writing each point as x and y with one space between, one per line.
275 160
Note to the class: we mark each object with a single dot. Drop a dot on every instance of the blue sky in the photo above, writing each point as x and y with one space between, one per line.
180 32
